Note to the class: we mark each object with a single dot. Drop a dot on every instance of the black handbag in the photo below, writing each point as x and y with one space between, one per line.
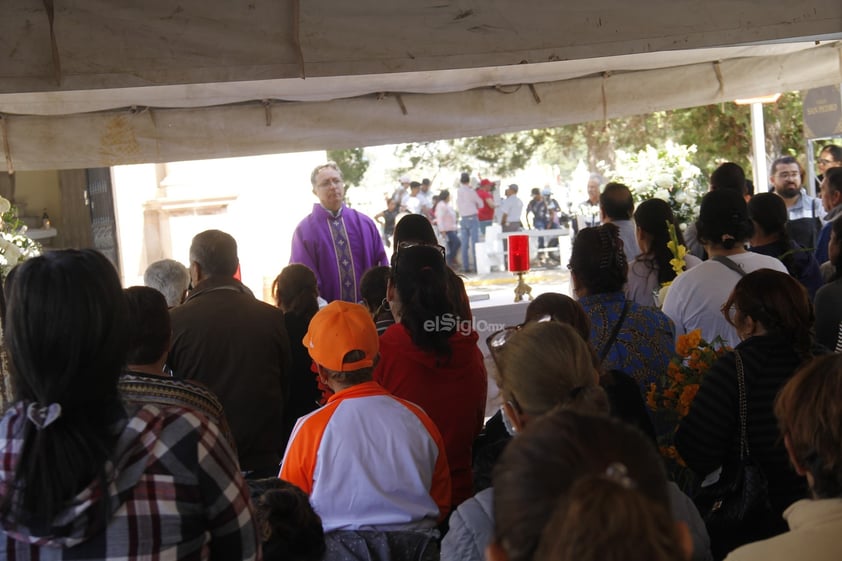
742 492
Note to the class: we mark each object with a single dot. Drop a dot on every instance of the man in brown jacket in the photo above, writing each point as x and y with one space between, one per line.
237 346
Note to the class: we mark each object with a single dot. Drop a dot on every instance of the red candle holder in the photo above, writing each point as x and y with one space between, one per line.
519 253
519 264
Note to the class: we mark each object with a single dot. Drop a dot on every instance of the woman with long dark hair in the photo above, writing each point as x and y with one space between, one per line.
430 356
84 476
652 267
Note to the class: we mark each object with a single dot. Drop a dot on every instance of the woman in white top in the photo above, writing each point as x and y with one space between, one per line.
652 268
446 223
695 297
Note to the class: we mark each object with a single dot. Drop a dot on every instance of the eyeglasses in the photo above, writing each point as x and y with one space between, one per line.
825 162
788 174
330 182
497 340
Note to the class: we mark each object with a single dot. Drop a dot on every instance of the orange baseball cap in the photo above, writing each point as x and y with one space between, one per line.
337 329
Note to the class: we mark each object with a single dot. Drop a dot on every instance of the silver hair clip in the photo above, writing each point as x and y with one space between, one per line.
43 416
618 473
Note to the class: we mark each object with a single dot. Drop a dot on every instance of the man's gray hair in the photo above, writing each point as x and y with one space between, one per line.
215 252
320 167
170 278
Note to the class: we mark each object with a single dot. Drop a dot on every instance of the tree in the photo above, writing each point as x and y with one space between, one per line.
721 133
352 163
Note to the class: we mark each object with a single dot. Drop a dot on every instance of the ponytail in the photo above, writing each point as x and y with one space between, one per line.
67 337
421 279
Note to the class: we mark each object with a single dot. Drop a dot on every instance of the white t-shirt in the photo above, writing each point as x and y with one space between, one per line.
696 296
468 202
643 280
512 207
413 204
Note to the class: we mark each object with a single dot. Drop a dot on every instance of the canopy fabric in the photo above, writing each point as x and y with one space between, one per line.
150 81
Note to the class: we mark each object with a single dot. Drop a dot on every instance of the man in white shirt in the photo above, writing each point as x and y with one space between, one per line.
413 203
511 209
468 204
426 198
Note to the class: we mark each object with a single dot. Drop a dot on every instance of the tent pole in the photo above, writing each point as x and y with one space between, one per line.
758 141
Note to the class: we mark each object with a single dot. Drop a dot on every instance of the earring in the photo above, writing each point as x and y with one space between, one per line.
384 305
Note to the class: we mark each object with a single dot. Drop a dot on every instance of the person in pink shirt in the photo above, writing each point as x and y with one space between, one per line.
446 223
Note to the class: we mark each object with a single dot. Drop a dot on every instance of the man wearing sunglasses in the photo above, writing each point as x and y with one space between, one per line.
337 243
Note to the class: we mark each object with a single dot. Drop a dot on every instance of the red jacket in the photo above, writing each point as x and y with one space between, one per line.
486 212
452 394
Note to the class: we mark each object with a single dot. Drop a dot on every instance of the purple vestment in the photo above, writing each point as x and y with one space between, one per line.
319 241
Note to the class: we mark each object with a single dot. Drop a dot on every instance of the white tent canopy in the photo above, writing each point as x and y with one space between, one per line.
151 81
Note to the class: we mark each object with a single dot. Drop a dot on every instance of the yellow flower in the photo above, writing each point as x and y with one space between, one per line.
678 251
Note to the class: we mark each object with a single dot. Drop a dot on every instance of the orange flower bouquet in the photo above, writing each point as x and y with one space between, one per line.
670 399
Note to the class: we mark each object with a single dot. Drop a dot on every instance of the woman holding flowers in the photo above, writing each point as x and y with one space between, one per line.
773 316
662 253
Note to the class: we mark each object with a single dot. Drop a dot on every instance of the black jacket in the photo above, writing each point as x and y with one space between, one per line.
238 347
709 435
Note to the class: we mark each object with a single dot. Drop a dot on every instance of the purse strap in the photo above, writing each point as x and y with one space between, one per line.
741 384
610 341
730 264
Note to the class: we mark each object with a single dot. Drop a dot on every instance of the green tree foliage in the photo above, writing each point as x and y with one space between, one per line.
352 162
721 133
501 154
785 126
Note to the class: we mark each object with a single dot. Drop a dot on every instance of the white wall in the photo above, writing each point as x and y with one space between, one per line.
273 194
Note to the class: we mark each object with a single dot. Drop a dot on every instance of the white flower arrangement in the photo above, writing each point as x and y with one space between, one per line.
666 173
15 245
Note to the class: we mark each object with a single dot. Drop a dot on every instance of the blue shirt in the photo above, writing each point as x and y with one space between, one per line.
646 340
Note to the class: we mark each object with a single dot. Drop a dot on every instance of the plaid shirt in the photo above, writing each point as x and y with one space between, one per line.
174 489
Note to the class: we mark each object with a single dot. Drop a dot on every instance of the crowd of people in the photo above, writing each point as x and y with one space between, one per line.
461 222
187 419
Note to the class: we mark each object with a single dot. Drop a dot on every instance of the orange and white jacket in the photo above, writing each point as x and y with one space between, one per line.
370 461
